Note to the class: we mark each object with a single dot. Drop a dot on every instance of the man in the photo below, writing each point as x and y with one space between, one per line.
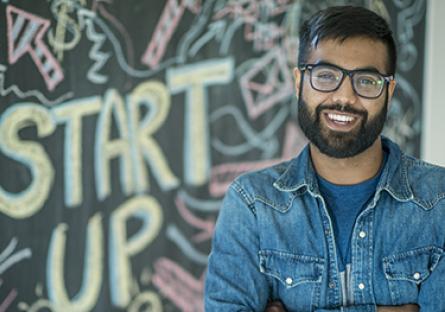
352 223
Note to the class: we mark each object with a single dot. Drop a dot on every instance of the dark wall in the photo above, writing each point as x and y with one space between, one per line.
123 122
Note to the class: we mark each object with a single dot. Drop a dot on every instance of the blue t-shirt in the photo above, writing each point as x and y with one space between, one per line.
344 203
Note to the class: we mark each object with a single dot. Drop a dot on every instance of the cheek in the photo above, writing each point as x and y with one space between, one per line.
314 97
374 107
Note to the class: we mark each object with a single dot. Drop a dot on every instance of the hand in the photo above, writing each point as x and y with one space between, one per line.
276 306
402 308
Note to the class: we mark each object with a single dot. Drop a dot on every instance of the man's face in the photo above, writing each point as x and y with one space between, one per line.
341 123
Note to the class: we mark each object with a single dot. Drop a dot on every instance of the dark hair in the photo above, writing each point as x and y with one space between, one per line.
343 22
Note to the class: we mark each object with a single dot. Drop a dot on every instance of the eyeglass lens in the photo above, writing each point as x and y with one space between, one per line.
328 78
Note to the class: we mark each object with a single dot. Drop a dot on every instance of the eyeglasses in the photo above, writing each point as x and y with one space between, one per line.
365 83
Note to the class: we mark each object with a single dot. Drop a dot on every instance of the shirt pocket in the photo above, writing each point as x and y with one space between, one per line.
295 278
406 271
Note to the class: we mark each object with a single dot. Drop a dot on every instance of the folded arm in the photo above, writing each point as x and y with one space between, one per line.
234 282
276 306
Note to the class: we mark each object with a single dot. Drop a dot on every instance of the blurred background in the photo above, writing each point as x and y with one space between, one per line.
123 122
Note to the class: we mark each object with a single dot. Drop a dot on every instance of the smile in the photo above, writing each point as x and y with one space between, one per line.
340 118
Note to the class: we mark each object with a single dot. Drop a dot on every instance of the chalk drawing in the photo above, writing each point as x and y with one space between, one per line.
149 300
410 15
187 248
8 259
61 10
265 141
216 30
25 33
120 28
178 285
201 205
206 226
14 89
118 53
100 58
223 175
167 24
38 306
258 95
8 300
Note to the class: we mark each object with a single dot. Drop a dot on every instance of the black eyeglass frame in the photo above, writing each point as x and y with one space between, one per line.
350 73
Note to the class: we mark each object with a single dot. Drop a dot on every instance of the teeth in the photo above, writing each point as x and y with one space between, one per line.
341 118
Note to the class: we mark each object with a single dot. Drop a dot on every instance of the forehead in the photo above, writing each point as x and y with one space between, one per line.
352 53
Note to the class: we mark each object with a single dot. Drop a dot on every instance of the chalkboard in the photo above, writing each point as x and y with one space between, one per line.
122 124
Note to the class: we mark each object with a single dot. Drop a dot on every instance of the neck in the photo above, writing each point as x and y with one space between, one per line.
348 171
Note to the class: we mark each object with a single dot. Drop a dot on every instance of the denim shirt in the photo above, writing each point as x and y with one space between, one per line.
274 240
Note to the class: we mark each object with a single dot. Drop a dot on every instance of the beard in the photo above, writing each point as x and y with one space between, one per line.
339 144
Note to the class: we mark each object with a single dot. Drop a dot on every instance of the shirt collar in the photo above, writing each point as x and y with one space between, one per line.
300 175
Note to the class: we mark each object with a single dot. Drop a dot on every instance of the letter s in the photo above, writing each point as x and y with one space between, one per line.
29 201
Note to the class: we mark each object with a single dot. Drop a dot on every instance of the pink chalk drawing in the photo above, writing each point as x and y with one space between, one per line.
165 28
207 226
251 9
294 141
193 5
8 300
222 175
265 36
170 18
266 84
246 10
178 285
25 35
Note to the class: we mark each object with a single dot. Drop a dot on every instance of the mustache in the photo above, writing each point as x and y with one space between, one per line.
340 107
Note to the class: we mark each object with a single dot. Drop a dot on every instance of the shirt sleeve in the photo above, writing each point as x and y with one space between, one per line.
233 281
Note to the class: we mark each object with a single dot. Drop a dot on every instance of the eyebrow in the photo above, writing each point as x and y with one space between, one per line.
367 68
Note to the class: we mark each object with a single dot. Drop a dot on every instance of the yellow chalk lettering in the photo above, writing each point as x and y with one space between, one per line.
148 210
155 97
193 79
106 149
72 113
86 298
29 201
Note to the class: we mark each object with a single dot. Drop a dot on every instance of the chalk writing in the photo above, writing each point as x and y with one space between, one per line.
124 122
194 79
92 279
61 9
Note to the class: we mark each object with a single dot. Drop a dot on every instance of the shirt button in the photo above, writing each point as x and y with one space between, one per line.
416 276
361 286
331 285
327 232
362 234
289 281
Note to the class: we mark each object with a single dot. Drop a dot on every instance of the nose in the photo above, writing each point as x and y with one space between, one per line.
345 93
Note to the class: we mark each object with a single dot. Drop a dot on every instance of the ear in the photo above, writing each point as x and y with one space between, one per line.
297 77
391 88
